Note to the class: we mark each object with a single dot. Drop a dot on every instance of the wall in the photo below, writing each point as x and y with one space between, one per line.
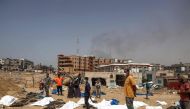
159 81
105 75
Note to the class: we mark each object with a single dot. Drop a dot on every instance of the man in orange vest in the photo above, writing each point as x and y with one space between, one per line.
59 83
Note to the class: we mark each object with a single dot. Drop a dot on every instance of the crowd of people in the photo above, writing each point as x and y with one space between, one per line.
129 89
73 87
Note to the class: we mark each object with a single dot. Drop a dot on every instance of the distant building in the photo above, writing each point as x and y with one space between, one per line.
140 71
26 64
11 64
103 61
75 63
181 68
134 67
2 61
161 75
16 64
43 69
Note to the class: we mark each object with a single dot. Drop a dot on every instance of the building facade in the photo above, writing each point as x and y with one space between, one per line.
26 64
2 61
17 64
75 63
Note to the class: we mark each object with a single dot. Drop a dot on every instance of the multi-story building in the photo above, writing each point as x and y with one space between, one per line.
75 63
26 64
2 61
10 64
181 68
17 64
103 61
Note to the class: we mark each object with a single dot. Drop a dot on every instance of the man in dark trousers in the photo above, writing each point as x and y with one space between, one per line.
147 89
77 82
47 83
59 82
87 93
71 91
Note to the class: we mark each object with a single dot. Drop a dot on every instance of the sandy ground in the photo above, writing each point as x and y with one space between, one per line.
162 94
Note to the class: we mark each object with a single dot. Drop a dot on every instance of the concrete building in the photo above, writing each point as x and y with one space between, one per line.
2 62
17 64
179 68
135 67
140 71
11 64
161 75
75 63
105 77
110 79
26 64
103 61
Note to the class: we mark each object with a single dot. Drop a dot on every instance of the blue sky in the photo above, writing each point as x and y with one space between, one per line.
147 31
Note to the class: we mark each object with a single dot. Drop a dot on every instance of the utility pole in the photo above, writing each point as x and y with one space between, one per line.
77 52
77 46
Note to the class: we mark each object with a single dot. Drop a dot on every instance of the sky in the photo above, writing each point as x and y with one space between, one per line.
151 31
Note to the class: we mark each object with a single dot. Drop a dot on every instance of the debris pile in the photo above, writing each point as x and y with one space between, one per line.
55 104
30 97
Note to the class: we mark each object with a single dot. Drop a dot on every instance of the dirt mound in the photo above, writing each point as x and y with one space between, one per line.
7 86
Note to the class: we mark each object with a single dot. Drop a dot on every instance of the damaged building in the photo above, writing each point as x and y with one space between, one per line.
9 64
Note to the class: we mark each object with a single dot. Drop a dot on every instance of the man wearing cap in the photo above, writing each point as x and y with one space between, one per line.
129 89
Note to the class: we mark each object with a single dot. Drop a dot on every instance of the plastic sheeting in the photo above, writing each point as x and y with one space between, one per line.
114 107
106 104
81 101
70 105
161 102
103 104
7 100
43 102
138 104
153 107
